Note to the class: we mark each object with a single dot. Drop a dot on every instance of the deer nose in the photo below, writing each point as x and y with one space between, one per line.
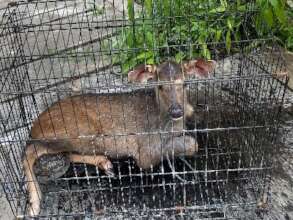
176 111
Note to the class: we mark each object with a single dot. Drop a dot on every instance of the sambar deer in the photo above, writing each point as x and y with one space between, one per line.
91 128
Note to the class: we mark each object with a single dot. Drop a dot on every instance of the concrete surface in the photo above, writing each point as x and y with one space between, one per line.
282 181
5 211
289 61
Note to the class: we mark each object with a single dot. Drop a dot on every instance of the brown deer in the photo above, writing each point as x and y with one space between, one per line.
91 128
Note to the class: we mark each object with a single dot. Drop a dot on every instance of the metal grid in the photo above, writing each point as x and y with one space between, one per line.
52 50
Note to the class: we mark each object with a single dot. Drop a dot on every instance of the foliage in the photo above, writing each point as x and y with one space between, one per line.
97 9
285 35
190 28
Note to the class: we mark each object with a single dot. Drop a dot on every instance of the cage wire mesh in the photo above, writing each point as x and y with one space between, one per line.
51 50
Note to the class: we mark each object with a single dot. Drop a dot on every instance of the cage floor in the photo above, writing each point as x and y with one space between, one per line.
225 189
149 194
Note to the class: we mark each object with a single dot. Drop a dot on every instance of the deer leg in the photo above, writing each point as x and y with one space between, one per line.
33 152
181 146
99 161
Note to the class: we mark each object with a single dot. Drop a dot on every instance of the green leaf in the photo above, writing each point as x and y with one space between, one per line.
203 36
241 8
130 39
224 3
194 26
145 55
218 35
179 56
280 15
149 7
228 41
139 37
237 35
130 9
268 16
218 9
230 23
178 5
205 51
149 39
129 64
261 3
150 61
238 3
274 3
238 23
115 43
166 7
279 11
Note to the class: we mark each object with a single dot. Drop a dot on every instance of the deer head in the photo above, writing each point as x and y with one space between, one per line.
171 96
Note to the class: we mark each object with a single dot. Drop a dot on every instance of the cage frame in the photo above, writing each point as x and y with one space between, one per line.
23 95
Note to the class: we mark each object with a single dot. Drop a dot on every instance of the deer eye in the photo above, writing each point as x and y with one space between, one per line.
160 87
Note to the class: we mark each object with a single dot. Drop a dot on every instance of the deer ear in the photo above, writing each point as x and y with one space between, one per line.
142 73
200 67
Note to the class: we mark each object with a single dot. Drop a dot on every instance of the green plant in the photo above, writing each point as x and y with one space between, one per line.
97 9
285 35
190 28
272 12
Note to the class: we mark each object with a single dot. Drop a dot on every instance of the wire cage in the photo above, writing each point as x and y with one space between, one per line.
52 50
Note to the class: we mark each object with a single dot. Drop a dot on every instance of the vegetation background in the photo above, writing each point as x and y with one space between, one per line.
192 28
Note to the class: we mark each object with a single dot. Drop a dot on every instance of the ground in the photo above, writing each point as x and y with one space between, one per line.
282 181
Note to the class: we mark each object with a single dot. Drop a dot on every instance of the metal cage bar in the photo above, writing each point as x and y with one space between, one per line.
62 50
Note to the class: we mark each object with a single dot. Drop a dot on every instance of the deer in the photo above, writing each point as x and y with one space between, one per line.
95 128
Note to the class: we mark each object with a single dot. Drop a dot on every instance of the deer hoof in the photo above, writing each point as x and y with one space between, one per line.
107 166
110 173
